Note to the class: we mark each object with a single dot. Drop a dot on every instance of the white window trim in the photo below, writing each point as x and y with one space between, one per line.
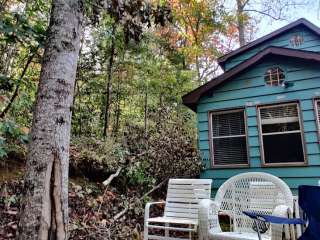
264 164
211 113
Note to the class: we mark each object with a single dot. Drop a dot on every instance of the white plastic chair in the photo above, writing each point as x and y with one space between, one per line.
181 208
255 191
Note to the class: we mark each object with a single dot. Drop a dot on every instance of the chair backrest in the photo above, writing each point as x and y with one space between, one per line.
252 191
184 195
309 202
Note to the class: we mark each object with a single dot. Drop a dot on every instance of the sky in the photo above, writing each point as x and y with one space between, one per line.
310 12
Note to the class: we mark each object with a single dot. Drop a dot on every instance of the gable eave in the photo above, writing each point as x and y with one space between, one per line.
191 99
302 21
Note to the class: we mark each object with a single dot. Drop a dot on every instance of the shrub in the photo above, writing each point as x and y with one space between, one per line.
13 139
94 158
167 152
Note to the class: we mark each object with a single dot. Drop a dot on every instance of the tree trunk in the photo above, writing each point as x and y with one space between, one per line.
198 71
44 213
146 113
109 81
117 109
240 22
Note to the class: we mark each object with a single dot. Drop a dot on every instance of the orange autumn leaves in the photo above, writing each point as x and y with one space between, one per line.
201 30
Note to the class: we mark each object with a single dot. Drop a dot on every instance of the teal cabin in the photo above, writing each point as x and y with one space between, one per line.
263 113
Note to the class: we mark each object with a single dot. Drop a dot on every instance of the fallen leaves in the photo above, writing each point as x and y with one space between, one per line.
87 221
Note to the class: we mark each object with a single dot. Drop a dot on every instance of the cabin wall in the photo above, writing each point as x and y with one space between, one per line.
249 90
311 42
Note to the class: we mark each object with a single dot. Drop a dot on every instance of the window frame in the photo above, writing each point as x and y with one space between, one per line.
210 132
272 67
302 135
316 112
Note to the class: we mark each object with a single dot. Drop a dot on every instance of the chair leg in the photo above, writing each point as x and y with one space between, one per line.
166 231
145 232
258 230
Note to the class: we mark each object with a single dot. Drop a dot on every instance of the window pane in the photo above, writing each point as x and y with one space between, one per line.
283 148
230 151
282 127
228 124
229 138
281 145
283 113
274 76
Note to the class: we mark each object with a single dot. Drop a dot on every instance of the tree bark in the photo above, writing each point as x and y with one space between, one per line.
109 81
240 23
117 110
44 212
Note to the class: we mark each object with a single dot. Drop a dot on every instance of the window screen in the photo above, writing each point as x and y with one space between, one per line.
281 134
229 141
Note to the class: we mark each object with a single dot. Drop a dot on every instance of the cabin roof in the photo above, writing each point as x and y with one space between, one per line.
191 99
300 22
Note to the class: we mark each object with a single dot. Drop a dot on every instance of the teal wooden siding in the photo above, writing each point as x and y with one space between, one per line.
249 90
311 43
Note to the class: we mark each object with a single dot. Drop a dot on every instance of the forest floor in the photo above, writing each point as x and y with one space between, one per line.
95 212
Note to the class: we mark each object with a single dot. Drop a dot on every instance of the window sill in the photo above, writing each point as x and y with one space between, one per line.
296 164
229 166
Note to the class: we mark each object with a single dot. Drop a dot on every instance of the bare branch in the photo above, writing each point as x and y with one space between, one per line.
265 14
112 176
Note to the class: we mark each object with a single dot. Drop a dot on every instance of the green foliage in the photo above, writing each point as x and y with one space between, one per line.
12 138
137 175
16 27
94 158
6 83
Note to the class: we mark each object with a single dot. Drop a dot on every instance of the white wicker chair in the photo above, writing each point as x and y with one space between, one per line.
255 191
181 208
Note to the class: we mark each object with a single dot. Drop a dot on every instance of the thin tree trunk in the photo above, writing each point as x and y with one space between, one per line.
198 71
109 81
117 109
16 91
44 213
79 111
240 22
160 107
146 113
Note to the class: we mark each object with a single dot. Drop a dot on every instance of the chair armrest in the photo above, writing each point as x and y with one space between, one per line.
147 208
277 229
208 218
274 219
278 218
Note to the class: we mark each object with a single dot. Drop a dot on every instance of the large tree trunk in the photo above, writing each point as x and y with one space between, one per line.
45 204
241 24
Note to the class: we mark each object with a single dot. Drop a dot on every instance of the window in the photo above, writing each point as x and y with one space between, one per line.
296 40
228 140
281 134
274 76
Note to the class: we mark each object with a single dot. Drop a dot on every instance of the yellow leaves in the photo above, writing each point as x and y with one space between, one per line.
25 130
